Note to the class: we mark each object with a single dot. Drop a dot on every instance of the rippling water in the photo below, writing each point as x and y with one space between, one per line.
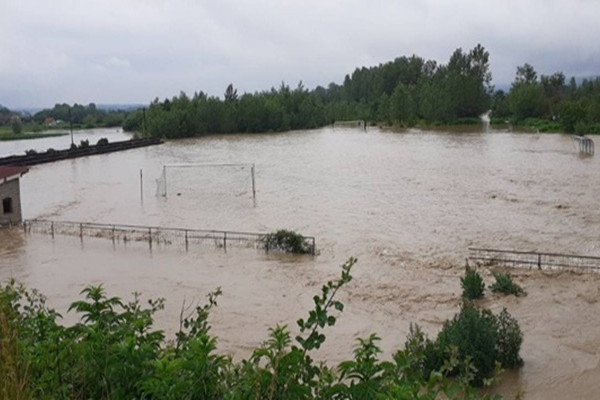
406 204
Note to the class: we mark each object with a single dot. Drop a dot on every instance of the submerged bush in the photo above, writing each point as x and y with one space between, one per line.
472 284
287 241
505 284
102 141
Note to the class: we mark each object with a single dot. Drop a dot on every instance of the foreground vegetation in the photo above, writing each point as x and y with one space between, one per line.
114 352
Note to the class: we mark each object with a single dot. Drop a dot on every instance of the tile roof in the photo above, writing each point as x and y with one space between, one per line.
12 171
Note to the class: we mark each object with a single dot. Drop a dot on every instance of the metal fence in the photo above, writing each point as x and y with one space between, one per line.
154 235
533 259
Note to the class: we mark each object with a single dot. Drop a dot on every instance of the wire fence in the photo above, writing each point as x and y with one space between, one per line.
533 259
155 235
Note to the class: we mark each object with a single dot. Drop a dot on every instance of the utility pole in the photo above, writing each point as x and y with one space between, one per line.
71 125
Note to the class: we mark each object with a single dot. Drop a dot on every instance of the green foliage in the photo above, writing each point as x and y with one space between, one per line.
102 142
472 284
509 340
287 241
473 332
84 144
504 284
16 124
82 116
113 352
30 152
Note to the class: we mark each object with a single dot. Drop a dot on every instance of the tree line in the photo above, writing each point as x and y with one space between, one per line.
408 91
61 116
405 91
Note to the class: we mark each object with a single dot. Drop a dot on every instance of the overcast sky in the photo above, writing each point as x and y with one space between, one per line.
132 51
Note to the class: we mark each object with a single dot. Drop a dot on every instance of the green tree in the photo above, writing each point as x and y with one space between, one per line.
16 124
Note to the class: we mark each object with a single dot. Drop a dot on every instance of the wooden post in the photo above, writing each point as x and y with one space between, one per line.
52 229
141 187
253 186
81 231
314 247
186 240
539 261
225 240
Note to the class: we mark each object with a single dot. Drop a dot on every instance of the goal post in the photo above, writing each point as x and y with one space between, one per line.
162 186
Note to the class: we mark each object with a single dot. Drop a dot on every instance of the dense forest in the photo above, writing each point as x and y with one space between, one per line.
409 91
406 92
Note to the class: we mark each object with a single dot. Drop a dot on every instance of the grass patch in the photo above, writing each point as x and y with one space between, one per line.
28 136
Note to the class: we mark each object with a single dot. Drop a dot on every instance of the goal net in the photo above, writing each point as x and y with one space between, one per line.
207 180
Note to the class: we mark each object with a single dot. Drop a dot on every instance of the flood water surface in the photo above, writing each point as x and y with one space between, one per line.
408 205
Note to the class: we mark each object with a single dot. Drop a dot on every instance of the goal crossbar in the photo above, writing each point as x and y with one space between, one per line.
200 165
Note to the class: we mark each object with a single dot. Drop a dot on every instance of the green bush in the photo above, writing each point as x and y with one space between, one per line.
472 284
84 144
504 284
287 241
509 340
473 332
30 152
113 352
102 142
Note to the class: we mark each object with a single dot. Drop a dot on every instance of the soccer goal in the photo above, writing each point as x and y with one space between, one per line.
227 178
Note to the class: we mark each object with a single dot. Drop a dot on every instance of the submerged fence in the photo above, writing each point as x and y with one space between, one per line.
155 235
533 259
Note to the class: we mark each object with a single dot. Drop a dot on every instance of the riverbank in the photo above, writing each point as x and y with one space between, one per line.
29 136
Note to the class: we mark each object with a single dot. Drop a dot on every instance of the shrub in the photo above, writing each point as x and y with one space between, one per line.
509 340
50 150
30 152
73 146
287 242
102 141
473 332
504 284
84 144
472 284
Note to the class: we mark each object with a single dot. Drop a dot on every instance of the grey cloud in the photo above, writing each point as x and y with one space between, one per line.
136 50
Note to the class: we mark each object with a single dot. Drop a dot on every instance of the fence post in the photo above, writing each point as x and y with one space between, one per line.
52 228
113 234
225 240
539 261
150 237
81 231
314 246
24 226
186 240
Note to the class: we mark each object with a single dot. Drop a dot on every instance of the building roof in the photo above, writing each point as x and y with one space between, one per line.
8 173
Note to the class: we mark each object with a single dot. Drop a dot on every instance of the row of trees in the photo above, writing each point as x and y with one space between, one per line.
402 91
570 106
81 115
406 91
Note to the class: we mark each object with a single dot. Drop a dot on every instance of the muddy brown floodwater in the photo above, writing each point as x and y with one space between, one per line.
406 204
